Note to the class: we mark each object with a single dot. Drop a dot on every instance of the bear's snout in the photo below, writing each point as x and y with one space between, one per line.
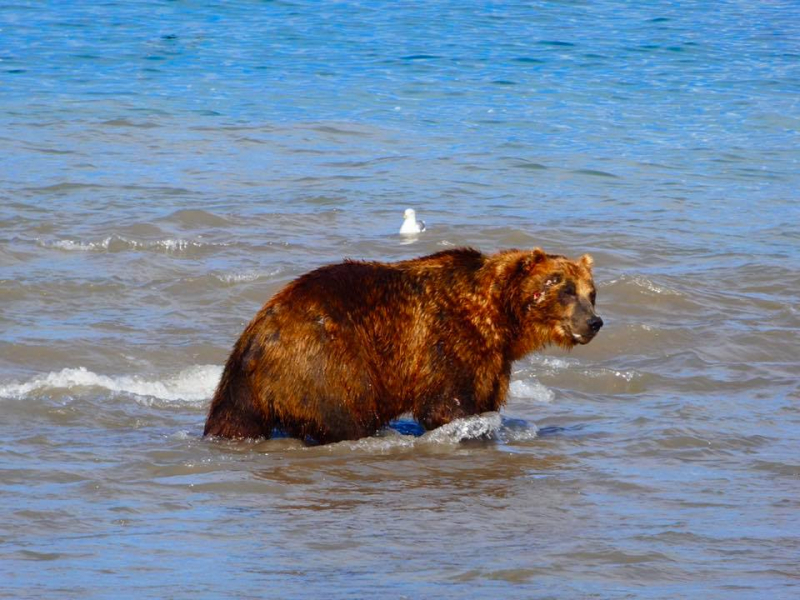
595 323
584 327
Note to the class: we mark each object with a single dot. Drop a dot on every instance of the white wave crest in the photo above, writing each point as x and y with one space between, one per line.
600 373
531 389
644 283
238 277
487 426
553 362
194 384
118 243
247 276
72 246
389 442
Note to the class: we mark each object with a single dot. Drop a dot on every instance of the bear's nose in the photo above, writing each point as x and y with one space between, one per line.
595 323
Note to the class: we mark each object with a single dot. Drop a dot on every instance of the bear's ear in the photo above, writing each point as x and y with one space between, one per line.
586 262
537 255
530 260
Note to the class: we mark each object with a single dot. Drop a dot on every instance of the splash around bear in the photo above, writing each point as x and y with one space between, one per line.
344 349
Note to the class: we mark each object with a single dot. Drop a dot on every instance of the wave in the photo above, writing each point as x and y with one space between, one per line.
574 375
530 389
487 426
193 384
639 282
196 385
247 276
553 363
118 243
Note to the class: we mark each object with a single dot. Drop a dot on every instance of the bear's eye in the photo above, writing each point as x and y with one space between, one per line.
568 292
592 297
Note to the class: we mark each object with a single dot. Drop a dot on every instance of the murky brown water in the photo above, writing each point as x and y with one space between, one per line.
660 458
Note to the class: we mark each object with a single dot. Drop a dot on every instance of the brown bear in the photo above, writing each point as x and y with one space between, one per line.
344 349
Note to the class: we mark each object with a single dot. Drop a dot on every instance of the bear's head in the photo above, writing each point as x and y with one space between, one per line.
553 302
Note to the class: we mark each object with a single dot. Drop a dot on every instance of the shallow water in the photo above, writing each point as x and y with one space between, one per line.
167 167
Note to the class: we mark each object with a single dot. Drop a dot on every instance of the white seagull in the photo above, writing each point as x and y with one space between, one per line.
410 224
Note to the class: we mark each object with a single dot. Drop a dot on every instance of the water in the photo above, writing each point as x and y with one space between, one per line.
167 166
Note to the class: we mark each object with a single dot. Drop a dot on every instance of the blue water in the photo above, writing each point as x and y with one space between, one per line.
167 166
663 93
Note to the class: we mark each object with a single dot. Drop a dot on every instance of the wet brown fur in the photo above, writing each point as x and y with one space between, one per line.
344 349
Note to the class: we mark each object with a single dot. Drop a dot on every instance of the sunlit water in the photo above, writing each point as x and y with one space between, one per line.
167 166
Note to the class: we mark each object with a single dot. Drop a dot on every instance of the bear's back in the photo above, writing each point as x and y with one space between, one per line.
355 288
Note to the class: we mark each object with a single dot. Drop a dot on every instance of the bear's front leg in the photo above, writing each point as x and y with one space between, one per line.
441 411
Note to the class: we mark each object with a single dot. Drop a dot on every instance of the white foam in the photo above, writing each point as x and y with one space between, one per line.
531 389
553 362
194 384
238 277
479 427
119 243
247 276
174 245
390 441
602 372
644 283
74 246
487 426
